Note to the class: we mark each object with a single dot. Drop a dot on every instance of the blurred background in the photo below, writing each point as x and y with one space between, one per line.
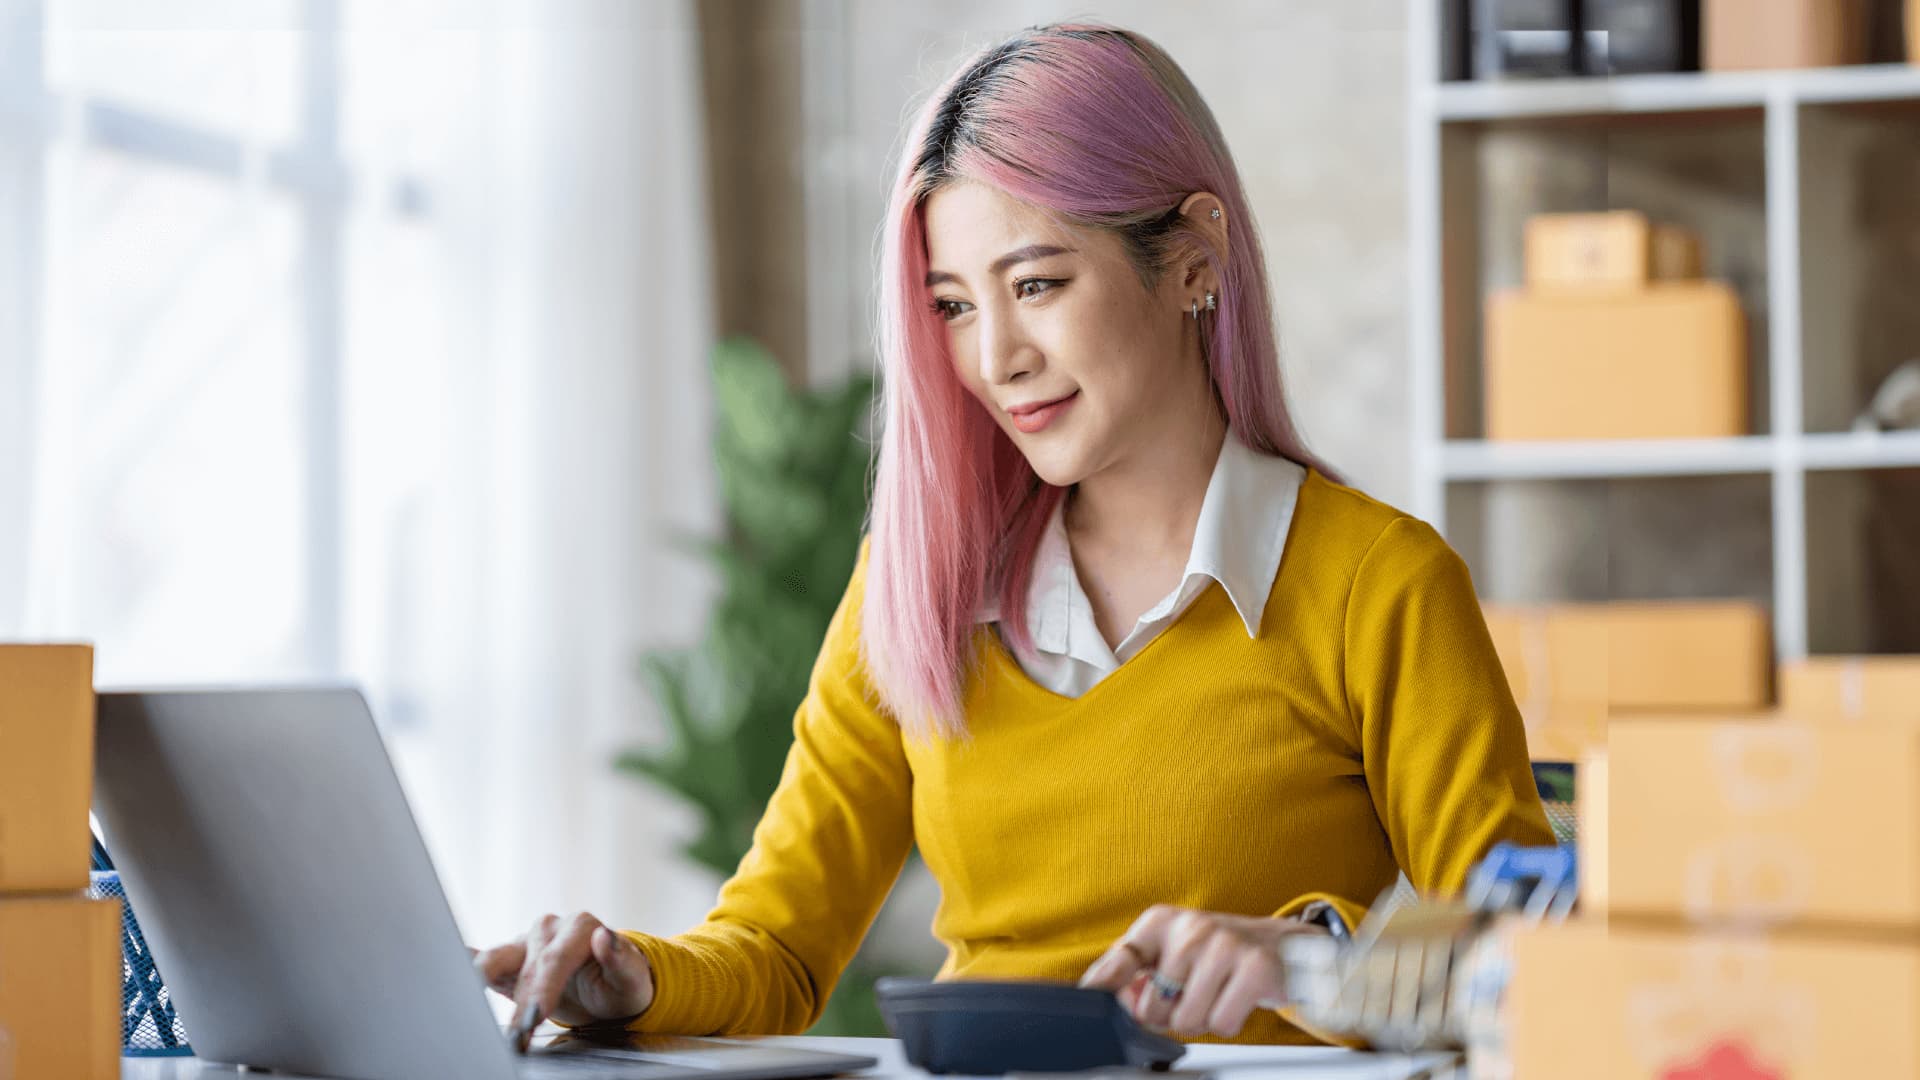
508 358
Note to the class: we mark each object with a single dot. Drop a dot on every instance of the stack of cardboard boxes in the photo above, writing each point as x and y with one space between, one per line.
1615 336
1750 894
60 960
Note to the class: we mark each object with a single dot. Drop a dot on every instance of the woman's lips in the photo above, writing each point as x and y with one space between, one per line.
1037 419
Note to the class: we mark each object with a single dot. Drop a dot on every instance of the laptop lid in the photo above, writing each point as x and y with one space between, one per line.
284 888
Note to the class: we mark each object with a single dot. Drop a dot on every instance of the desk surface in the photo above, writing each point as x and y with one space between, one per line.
1249 1062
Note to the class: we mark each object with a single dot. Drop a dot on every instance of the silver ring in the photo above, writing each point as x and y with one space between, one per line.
1166 989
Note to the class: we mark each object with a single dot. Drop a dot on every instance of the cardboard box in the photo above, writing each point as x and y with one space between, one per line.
1617 249
1571 665
1590 794
1588 250
1765 823
1745 35
1587 1002
46 767
1676 254
1689 655
60 987
1852 688
1667 361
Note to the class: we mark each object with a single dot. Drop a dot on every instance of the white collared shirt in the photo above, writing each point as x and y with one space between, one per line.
1237 542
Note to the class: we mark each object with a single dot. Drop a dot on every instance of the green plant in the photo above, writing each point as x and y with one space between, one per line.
793 468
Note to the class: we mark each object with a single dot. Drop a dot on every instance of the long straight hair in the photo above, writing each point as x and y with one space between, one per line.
1100 127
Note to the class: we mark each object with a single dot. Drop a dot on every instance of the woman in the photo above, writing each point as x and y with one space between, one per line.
1147 686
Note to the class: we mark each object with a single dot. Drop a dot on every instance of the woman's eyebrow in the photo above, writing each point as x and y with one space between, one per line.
1010 259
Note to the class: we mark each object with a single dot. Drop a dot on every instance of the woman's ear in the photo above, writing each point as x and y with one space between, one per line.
1206 215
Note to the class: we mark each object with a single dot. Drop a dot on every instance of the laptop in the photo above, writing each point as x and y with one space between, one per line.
291 906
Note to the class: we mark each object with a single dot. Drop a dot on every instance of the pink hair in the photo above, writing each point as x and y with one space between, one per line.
1101 127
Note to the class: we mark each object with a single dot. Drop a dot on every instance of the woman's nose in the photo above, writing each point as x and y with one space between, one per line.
1005 352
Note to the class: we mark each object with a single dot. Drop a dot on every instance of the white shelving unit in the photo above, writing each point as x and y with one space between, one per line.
1788 452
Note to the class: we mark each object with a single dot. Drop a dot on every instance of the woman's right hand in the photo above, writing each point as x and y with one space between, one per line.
573 971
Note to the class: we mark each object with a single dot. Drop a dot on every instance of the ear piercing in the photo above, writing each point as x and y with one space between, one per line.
1194 308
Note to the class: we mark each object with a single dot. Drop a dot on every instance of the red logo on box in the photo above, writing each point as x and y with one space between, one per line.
1725 1061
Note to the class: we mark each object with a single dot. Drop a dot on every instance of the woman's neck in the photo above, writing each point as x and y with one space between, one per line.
1152 498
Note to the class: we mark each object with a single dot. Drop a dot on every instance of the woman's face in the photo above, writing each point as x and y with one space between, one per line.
1050 327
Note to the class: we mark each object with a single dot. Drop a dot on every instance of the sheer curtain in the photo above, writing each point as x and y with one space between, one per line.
370 344
530 372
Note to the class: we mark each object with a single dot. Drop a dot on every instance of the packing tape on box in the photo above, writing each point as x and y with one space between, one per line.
1853 689
1728 993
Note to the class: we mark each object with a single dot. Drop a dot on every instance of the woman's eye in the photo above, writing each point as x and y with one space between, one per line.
1028 288
950 309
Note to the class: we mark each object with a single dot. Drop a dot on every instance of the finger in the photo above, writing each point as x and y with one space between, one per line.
500 966
532 946
1116 967
525 1008
1210 973
1137 950
1186 936
564 956
1256 977
618 959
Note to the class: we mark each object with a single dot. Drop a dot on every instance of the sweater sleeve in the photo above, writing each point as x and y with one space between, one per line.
826 852
1443 748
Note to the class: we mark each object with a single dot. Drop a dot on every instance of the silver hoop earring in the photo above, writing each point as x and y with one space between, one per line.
1194 310
1212 304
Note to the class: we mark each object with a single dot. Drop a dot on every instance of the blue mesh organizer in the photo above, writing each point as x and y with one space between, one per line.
149 1027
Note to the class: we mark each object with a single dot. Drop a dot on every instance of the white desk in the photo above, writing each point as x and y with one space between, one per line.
1247 1063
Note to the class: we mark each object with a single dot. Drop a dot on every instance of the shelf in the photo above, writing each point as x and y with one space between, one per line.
1518 99
1889 450
1476 459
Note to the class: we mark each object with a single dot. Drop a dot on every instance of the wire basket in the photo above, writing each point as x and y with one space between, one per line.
149 1027
1421 975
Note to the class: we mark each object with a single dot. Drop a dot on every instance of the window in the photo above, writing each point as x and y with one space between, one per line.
194 217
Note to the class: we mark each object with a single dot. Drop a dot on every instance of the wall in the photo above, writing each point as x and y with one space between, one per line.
1311 96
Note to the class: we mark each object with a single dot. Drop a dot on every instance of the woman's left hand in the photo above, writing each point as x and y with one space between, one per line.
1197 972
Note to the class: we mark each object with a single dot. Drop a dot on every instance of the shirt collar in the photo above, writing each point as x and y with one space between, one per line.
1237 541
1243 525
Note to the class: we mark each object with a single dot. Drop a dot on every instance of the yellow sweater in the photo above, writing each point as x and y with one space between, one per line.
1367 729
